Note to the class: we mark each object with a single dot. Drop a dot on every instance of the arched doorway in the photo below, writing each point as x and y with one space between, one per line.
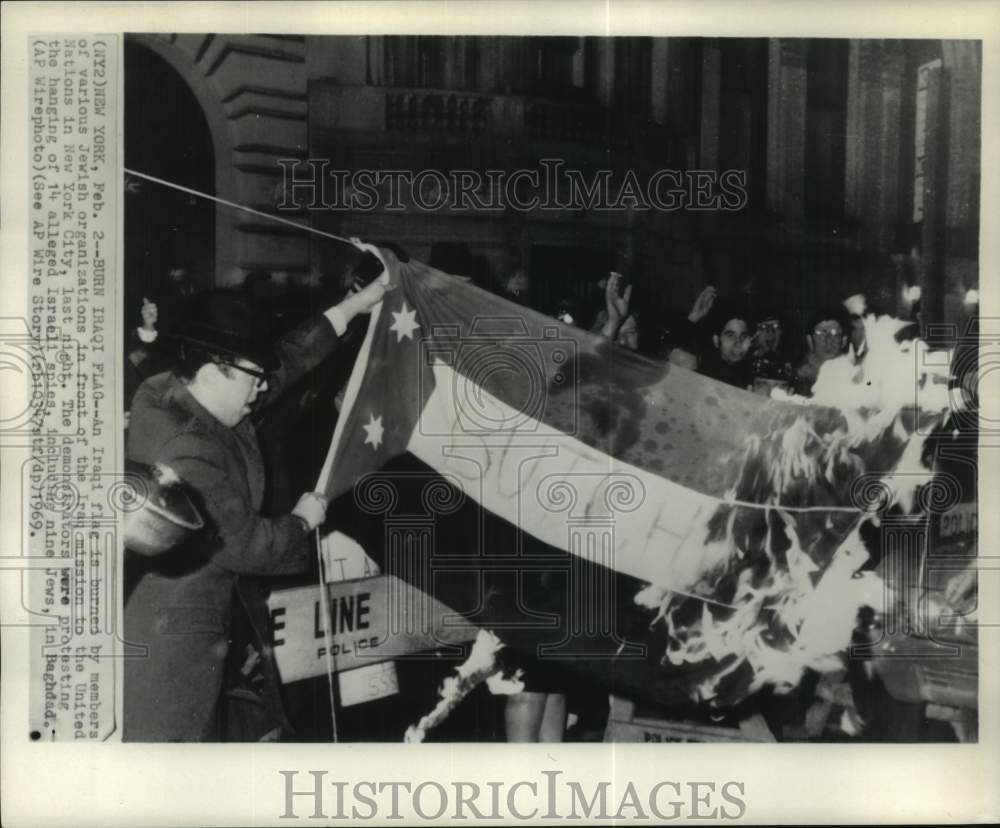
166 135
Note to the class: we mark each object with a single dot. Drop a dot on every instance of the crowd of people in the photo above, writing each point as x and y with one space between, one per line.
190 407
721 338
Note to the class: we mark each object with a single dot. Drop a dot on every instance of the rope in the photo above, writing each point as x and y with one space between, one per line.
746 504
235 206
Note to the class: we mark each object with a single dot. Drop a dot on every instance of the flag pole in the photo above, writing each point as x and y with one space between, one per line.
324 598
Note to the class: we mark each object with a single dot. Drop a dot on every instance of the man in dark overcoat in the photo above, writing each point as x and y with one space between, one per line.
193 420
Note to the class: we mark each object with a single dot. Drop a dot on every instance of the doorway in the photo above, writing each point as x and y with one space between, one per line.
167 136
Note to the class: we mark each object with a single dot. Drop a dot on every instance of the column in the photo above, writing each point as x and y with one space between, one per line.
376 60
962 62
488 56
890 135
786 132
660 69
929 193
605 71
711 79
863 129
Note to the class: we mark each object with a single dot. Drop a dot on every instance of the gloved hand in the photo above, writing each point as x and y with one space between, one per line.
311 508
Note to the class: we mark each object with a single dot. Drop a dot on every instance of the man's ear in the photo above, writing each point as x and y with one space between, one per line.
715 340
809 342
210 369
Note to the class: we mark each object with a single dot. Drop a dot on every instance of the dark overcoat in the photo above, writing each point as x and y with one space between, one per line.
179 609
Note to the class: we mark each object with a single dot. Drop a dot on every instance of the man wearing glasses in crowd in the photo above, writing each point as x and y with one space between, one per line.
771 361
193 420
826 339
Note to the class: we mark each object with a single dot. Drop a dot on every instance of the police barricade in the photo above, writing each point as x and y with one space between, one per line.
349 624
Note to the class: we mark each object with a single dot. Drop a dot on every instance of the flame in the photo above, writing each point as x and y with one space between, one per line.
500 685
785 598
480 666
483 654
874 390
777 626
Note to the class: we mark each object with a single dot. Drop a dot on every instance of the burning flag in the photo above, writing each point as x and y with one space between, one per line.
732 522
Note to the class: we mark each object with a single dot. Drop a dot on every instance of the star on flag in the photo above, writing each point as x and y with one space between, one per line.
404 324
374 430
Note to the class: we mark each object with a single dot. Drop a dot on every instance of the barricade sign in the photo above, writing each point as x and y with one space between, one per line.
366 621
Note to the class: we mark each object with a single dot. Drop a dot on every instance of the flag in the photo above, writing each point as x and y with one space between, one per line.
720 525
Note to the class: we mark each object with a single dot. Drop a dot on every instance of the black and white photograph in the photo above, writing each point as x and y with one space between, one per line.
393 391
700 476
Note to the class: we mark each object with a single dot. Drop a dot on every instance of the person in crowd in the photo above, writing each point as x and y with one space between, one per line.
857 340
177 289
727 358
827 339
194 421
618 322
767 341
676 342
568 311
683 357
681 337
514 282
259 286
163 301
142 356
538 714
771 362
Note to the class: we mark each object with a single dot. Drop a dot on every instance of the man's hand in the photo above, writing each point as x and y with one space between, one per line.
364 300
855 304
616 304
311 508
702 305
361 301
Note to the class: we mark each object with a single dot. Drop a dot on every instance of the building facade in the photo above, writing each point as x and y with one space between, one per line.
860 159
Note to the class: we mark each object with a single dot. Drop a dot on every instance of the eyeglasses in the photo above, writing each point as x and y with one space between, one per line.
828 333
260 376
769 326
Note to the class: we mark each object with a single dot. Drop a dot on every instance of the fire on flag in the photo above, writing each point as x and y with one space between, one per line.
737 518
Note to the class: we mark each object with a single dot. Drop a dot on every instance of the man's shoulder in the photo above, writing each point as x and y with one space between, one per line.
160 416
159 398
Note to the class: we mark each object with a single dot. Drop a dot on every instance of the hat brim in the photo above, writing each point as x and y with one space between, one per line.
265 358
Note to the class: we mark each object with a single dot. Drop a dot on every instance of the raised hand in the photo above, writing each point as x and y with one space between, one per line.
702 305
368 297
616 304
362 300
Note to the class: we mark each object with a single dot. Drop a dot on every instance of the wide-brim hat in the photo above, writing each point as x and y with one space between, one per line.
226 323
